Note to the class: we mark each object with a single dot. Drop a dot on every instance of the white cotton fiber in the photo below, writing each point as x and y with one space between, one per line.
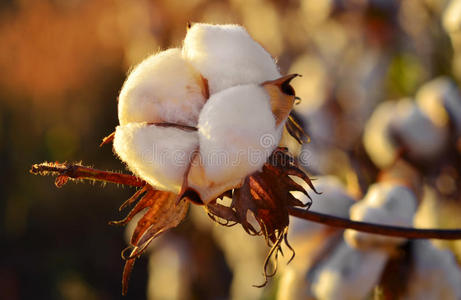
162 88
237 133
422 138
226 56
440 100
159 155
348 274
384 203
377 135
435 274
451 19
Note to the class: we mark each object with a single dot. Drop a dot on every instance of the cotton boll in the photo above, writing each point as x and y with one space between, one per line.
452 16
159 155
227 56
435 275
440 100
237 132
384 203
377 136
292 285
423 139
348 274
162 88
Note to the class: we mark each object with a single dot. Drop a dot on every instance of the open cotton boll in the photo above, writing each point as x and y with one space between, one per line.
384 203
348 274
452 16
162 88
435 275
227 56
159 155
440 100
377 137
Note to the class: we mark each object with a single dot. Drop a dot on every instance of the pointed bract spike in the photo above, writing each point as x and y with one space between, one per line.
126 275
282 96
293 201
107 139
293 253
296 131
293 186
133 198
281 80
298 173
145 201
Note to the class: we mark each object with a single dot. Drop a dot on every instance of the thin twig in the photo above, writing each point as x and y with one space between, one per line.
404 232
64 171
77 171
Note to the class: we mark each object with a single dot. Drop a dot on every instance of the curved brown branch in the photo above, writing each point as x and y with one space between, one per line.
404 232
76 171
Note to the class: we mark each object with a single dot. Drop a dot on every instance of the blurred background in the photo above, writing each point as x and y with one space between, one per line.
379 90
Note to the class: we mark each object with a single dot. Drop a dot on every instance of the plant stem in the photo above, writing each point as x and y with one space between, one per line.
396 231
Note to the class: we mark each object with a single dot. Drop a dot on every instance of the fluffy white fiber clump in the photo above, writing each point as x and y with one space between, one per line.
377 137
237 132
441 101
421 136
227 56
159 155
162 88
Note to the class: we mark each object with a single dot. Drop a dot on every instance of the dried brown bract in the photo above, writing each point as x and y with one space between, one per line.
266 195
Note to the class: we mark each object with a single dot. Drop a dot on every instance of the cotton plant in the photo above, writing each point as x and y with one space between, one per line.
197 124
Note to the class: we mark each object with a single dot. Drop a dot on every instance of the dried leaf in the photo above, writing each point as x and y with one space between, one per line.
163 213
